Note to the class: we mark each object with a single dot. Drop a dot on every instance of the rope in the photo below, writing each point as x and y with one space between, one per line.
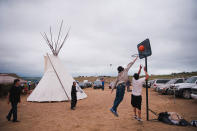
155 113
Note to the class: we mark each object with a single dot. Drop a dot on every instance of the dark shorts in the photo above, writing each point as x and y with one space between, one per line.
136 101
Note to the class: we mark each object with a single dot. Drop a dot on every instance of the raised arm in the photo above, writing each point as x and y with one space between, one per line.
131 63
147 76
140 70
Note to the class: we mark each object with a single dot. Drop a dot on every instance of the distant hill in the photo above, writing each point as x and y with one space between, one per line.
32 79
7 78
175 75
10 74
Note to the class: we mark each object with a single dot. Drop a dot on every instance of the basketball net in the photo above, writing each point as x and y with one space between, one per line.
140 61
134 55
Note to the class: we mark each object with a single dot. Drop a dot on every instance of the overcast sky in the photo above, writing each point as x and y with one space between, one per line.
103 32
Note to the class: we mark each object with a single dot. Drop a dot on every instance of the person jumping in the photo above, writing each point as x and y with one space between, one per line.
120 84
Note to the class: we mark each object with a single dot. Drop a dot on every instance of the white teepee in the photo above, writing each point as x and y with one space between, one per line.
56 83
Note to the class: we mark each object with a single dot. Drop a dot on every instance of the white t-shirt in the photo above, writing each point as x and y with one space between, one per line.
137 86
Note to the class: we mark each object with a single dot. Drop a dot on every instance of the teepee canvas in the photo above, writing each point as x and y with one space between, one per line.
56 83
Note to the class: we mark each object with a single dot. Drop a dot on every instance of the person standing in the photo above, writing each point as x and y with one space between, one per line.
74 91
14 98
120 84
73 96
136 96
103 84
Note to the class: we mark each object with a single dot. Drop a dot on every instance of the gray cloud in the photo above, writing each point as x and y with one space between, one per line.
102 33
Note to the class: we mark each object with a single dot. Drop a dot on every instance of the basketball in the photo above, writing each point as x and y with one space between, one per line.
141 48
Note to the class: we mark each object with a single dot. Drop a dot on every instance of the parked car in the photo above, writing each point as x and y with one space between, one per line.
194 92
159 82
88 84
184 89
164 89
171 90
81 84
97 84
150 83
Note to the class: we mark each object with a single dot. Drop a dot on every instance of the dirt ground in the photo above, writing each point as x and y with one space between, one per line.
92 114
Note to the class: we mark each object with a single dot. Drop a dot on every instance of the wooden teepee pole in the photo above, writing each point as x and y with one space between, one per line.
65 38
55 46
59 32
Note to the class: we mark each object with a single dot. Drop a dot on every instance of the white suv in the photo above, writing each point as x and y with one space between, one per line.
159 82
184 89
194 92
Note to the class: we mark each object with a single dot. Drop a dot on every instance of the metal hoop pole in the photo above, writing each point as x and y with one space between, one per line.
147 108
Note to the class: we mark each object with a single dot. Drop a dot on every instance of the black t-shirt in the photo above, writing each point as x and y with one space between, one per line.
15 94
73 92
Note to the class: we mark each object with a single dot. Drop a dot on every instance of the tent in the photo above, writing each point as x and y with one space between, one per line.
9 78
56 82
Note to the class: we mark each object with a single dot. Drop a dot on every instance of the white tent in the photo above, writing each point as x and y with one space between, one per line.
56 83
8 78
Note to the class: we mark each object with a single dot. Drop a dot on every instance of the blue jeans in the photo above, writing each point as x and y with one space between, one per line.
120 90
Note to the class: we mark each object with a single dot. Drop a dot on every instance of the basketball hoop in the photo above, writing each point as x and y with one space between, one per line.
135 55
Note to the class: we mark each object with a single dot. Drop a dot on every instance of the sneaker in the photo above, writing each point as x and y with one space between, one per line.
139 119
72 108
135 117
114 112
7 118
15 121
